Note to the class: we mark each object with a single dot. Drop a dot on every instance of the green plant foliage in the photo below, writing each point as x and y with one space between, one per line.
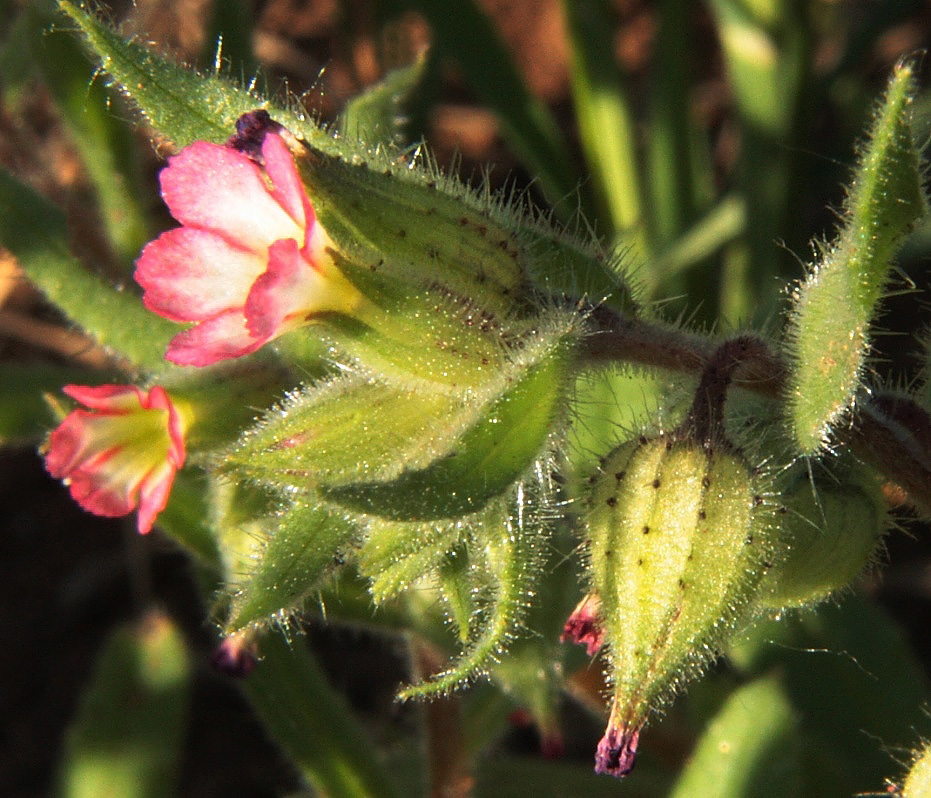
751 747
127 737
829 337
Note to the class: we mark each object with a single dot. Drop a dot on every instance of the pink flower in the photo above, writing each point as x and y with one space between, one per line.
582 625
250 261
121 452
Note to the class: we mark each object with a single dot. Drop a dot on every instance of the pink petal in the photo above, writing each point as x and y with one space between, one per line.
282 290
220 338
288 189
216 188
153 496
192 275
101 491
111 398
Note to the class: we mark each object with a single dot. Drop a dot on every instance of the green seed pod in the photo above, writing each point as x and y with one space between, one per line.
829 532
678 540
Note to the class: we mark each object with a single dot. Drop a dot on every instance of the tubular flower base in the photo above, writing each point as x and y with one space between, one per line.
250 261
121 453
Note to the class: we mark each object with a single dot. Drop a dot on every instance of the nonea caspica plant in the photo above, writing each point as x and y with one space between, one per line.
354 388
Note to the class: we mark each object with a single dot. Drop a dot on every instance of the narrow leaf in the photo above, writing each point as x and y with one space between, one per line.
749 748
127 737
833 307
34 230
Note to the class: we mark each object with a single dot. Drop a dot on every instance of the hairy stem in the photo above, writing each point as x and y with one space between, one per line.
874 434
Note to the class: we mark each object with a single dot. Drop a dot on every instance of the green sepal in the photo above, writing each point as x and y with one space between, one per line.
346 429
418 230
678 540
830 530
396 555
305 542
35 231
828 336
508 435
489 584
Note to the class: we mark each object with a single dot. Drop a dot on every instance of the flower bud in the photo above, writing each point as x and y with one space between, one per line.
829 532
676 544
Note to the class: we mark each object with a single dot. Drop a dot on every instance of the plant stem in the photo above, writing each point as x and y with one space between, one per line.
875 434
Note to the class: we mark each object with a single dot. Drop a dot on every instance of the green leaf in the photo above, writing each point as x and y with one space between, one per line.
313 723
852 681
749 749
378 114
107 148
34 230
828 337
179 103
127 737
307 543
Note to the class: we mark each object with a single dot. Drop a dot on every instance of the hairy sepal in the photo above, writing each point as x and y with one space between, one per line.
679 536
488 581
832 309
830 530
505 435
304 543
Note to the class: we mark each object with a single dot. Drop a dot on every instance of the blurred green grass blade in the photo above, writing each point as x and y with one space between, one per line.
750 748
24 417
463 33
126 739
34 230
15 61
313 723
719 226
105 144
680 180
378 114
606 122
228 45
768 57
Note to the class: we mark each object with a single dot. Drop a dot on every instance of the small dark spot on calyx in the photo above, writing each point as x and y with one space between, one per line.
619 475
656 483
611 501
646 530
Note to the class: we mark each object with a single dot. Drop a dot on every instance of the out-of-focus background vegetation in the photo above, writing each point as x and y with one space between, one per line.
711 139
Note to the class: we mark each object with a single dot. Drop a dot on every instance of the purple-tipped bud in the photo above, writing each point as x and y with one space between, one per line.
617 750
250 133
582 625
236 656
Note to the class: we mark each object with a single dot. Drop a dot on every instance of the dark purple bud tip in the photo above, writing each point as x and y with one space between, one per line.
582 626
234 657
552 745
617 752
251 129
